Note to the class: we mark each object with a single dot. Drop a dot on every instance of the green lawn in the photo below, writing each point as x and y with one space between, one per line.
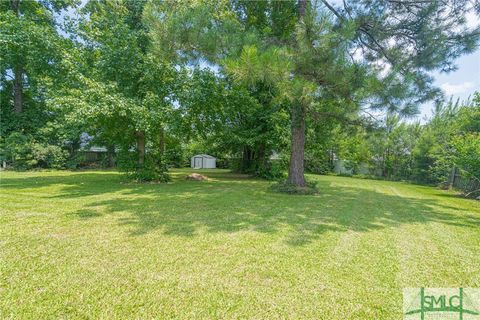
79 245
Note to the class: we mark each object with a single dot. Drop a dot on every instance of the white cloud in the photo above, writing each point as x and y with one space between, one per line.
451 89
473 21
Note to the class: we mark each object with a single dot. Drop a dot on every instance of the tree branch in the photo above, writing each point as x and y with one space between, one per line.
332 9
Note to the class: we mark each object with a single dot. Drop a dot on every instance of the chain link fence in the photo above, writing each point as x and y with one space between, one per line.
469 185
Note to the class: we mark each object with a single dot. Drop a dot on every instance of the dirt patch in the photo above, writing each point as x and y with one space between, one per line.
196 177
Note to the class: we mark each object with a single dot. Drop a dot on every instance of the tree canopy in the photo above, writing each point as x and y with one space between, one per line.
155 80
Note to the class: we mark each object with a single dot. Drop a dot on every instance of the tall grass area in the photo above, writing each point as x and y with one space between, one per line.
81 245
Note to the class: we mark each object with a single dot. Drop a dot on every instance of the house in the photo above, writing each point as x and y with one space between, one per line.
203 161
94 153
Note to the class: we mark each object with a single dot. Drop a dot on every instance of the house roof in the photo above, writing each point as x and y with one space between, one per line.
203 156
98 149
94 149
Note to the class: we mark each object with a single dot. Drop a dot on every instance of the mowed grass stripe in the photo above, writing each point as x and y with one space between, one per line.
88 245
364 266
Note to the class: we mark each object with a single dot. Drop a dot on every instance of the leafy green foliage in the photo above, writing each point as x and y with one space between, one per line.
24 152
425 153
467 153
272 170
152 170
32 67
305 53
121 92
235 79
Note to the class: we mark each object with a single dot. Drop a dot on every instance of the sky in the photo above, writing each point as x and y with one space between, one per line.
461 83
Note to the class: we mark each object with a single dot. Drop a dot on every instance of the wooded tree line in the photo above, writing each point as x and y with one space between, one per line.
431 153
157 80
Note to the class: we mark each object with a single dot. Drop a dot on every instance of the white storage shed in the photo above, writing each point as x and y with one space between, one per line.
203 161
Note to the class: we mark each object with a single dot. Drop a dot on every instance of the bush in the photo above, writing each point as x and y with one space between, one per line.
153 169
23 153
317 165
175 157
149 173
467 159
127 161
49 156
270 170
18 151
223 163
75 161
266 169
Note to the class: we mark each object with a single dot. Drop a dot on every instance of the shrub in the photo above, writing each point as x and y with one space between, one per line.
149 173
75 160
18 151
319 165
49 156
266 169
153 169
271 170
23 153
467 159
127 161
175 157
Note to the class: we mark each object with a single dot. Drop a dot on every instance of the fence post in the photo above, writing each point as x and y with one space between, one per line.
452 178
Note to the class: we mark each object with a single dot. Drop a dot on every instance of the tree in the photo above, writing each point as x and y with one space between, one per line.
32 67
31 46
432 153
310 51
466 144
236 121
128 87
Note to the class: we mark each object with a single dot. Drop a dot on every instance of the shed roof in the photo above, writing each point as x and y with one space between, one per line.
95 149
203 156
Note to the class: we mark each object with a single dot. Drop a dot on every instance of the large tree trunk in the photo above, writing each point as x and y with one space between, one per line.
111 155
161 144
18 90
247 160
141 148
17 72
260 155
14 5
302 7
297 156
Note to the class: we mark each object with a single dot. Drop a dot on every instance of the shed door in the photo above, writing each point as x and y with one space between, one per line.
198 162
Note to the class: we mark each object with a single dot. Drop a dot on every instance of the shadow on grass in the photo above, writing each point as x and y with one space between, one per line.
86 213
231 203
73 184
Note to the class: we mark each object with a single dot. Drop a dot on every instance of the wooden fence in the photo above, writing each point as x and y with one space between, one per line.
470 186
